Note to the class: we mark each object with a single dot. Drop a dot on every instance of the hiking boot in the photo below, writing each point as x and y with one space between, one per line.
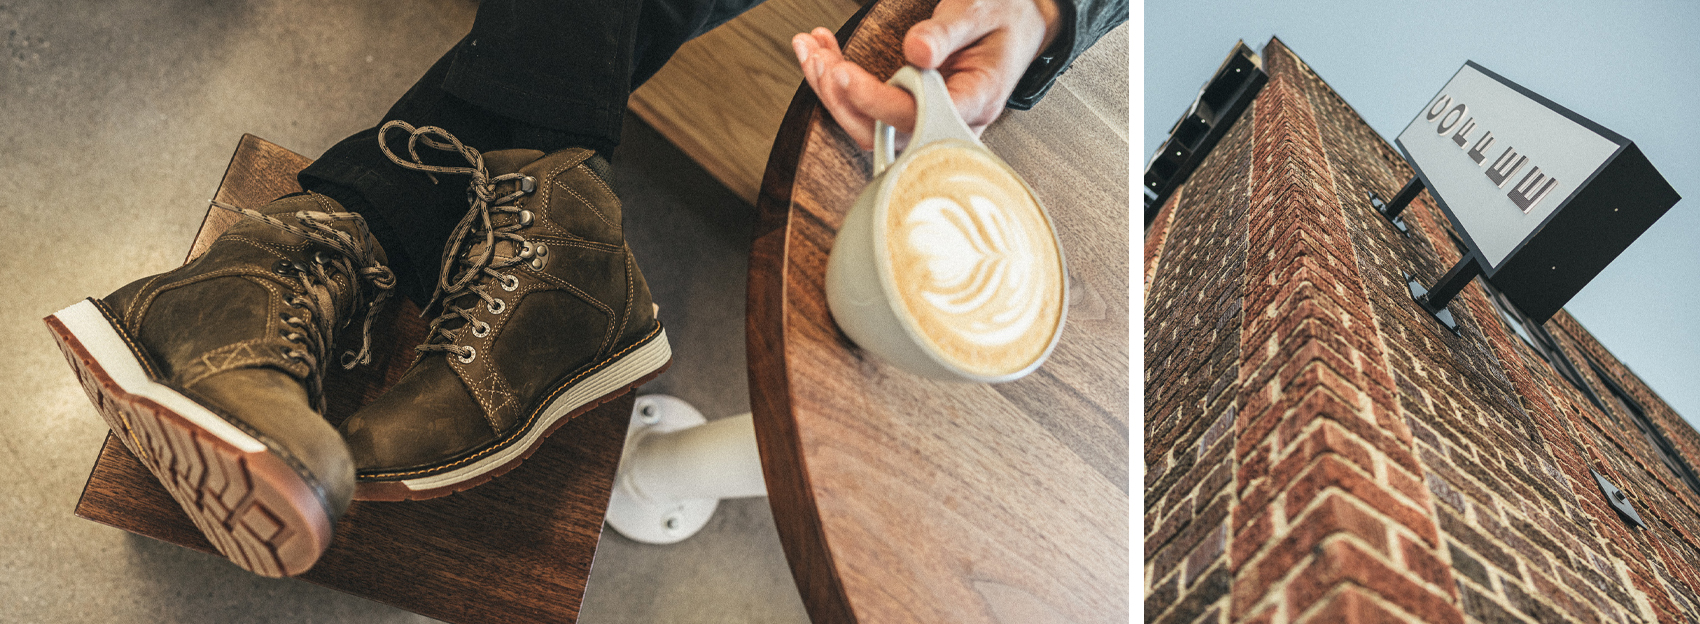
542 316
211 374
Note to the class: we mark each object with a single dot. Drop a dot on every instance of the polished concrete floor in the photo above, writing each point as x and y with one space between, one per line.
116 120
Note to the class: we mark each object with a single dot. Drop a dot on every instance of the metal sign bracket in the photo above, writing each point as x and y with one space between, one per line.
1618 501
1391 209
1434 300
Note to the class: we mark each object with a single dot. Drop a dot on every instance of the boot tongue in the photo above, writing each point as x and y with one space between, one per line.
509 161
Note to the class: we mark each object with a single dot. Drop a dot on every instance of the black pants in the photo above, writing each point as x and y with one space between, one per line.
532 73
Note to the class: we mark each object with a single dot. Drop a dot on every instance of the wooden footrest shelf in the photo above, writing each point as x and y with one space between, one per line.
516 549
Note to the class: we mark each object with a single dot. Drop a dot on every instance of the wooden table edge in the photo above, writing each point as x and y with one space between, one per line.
790 494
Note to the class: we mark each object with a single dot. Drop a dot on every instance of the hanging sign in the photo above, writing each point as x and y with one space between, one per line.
1543 197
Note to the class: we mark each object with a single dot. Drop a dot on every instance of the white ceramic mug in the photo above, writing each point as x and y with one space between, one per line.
860 287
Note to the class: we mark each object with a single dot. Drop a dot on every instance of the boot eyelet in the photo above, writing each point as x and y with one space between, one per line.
510 283
542 249
284 267
321 258
525 250
480 329
496 306
528 184
467 357
538 263
525 218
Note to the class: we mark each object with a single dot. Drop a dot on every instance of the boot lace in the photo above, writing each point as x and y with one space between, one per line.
312 325
470 269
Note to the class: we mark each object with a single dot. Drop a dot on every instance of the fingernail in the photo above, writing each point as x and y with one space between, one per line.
842 77
801 50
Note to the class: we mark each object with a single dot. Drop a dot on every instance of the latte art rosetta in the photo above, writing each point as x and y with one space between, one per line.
974 261
980 268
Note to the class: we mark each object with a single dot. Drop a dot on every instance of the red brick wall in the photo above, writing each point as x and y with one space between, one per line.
1384 468
1196 258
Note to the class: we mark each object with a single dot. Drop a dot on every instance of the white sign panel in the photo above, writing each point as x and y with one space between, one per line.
1501 159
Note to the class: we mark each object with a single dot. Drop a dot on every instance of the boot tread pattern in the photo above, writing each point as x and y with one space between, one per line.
243 502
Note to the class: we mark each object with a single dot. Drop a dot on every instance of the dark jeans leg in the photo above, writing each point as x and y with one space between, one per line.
545 75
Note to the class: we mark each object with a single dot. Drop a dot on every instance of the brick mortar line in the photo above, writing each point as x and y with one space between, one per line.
1320 499
1634 458
1347 585
1520 385
1227 438
1302 565
1180 402
1375 599
1386 463
1475 300
1298 108
1160 228
1682 495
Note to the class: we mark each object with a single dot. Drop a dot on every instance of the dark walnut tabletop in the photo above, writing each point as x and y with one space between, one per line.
901 499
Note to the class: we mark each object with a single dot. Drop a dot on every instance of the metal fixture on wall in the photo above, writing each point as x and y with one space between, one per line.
1618 500
1219 103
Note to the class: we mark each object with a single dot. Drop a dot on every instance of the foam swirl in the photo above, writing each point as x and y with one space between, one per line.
980 268
974 261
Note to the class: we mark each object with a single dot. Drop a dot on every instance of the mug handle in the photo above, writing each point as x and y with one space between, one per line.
935 116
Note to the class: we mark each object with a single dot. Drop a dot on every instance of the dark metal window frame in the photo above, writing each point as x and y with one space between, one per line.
1542 343
1661 444
1227 94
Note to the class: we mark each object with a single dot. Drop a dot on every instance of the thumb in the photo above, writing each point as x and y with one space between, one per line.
951 28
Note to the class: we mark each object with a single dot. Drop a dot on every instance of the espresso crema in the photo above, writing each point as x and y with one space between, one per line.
974 260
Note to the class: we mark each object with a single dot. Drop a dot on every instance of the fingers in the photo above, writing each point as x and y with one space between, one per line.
981 47
979 97
953 26
824 69
874 98
853 96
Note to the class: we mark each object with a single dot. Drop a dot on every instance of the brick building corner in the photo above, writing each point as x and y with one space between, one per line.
1319 449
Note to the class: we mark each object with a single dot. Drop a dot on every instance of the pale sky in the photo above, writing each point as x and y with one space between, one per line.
1630 67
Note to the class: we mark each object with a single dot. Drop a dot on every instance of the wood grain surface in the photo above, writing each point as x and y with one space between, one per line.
721 97
900 499
516 549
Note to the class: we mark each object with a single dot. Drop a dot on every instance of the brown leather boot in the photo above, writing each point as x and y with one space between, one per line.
543 316
211 375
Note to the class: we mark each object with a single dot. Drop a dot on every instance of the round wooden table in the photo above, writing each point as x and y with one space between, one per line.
900 499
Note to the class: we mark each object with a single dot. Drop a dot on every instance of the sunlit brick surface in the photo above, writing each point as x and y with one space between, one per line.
1319 449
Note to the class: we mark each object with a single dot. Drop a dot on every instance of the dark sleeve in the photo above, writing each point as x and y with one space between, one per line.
1083 22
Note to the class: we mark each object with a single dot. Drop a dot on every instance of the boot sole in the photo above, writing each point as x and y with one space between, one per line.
254 508
615 377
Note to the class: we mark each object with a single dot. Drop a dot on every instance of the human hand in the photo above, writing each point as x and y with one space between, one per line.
982 47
